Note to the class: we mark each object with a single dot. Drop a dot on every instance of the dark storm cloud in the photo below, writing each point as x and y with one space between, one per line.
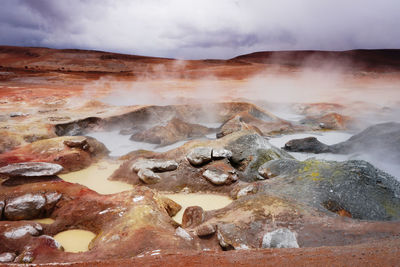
202 28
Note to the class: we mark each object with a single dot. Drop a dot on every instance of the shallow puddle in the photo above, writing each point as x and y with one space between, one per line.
206 201
95 178
44 220
75 240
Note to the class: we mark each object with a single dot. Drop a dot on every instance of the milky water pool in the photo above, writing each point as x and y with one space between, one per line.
75 240
96 176
120 145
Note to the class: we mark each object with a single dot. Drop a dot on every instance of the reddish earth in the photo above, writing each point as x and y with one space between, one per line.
385 253
47 92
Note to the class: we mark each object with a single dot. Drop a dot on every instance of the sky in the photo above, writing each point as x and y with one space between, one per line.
201 29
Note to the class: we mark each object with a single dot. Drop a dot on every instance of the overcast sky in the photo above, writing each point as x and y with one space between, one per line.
203 28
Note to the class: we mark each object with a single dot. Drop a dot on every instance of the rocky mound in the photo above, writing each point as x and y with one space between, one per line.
380 140
175 130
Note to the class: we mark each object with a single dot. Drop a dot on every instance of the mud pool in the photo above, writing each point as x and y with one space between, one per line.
120 145
96 176
75 240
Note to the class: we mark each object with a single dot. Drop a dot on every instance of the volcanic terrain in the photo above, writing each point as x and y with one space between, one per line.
272 158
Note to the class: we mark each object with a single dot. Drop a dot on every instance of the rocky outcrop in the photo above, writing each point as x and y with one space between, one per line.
330 121
356 186
148 176
385 144
219 173
237 157
175 130
140 210
146 168
234 125
309 145
155 165
280 238
29 169
55 150
200 156
30 206
249 152
7 257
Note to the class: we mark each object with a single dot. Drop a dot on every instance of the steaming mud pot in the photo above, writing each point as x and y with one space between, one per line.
120 145
95 178
75 240
206 201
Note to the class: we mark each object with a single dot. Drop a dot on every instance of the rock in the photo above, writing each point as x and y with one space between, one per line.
200 156
175 130
192 216
280 238
205 229
377 141
148 176
331 121
265 172
53 150
79 142
309 144
7 257
21 231
1 208
380 140
51 200
218 177
18 114
249 152
250 189
25 257
25 207
182 233
155 165
234 125
29 169
356 186
221 153
171 206
223 242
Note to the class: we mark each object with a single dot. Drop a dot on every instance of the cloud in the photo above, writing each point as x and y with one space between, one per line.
201 28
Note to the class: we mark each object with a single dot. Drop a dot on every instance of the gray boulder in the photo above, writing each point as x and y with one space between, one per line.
354 186
24 207
30 169
221 153
219 177
379 141
200 156
7 257
309 144
155 165
280 238
148 176
249 152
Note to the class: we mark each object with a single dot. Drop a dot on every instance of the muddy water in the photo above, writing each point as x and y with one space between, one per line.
206 201
44 220
75 240
95 178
